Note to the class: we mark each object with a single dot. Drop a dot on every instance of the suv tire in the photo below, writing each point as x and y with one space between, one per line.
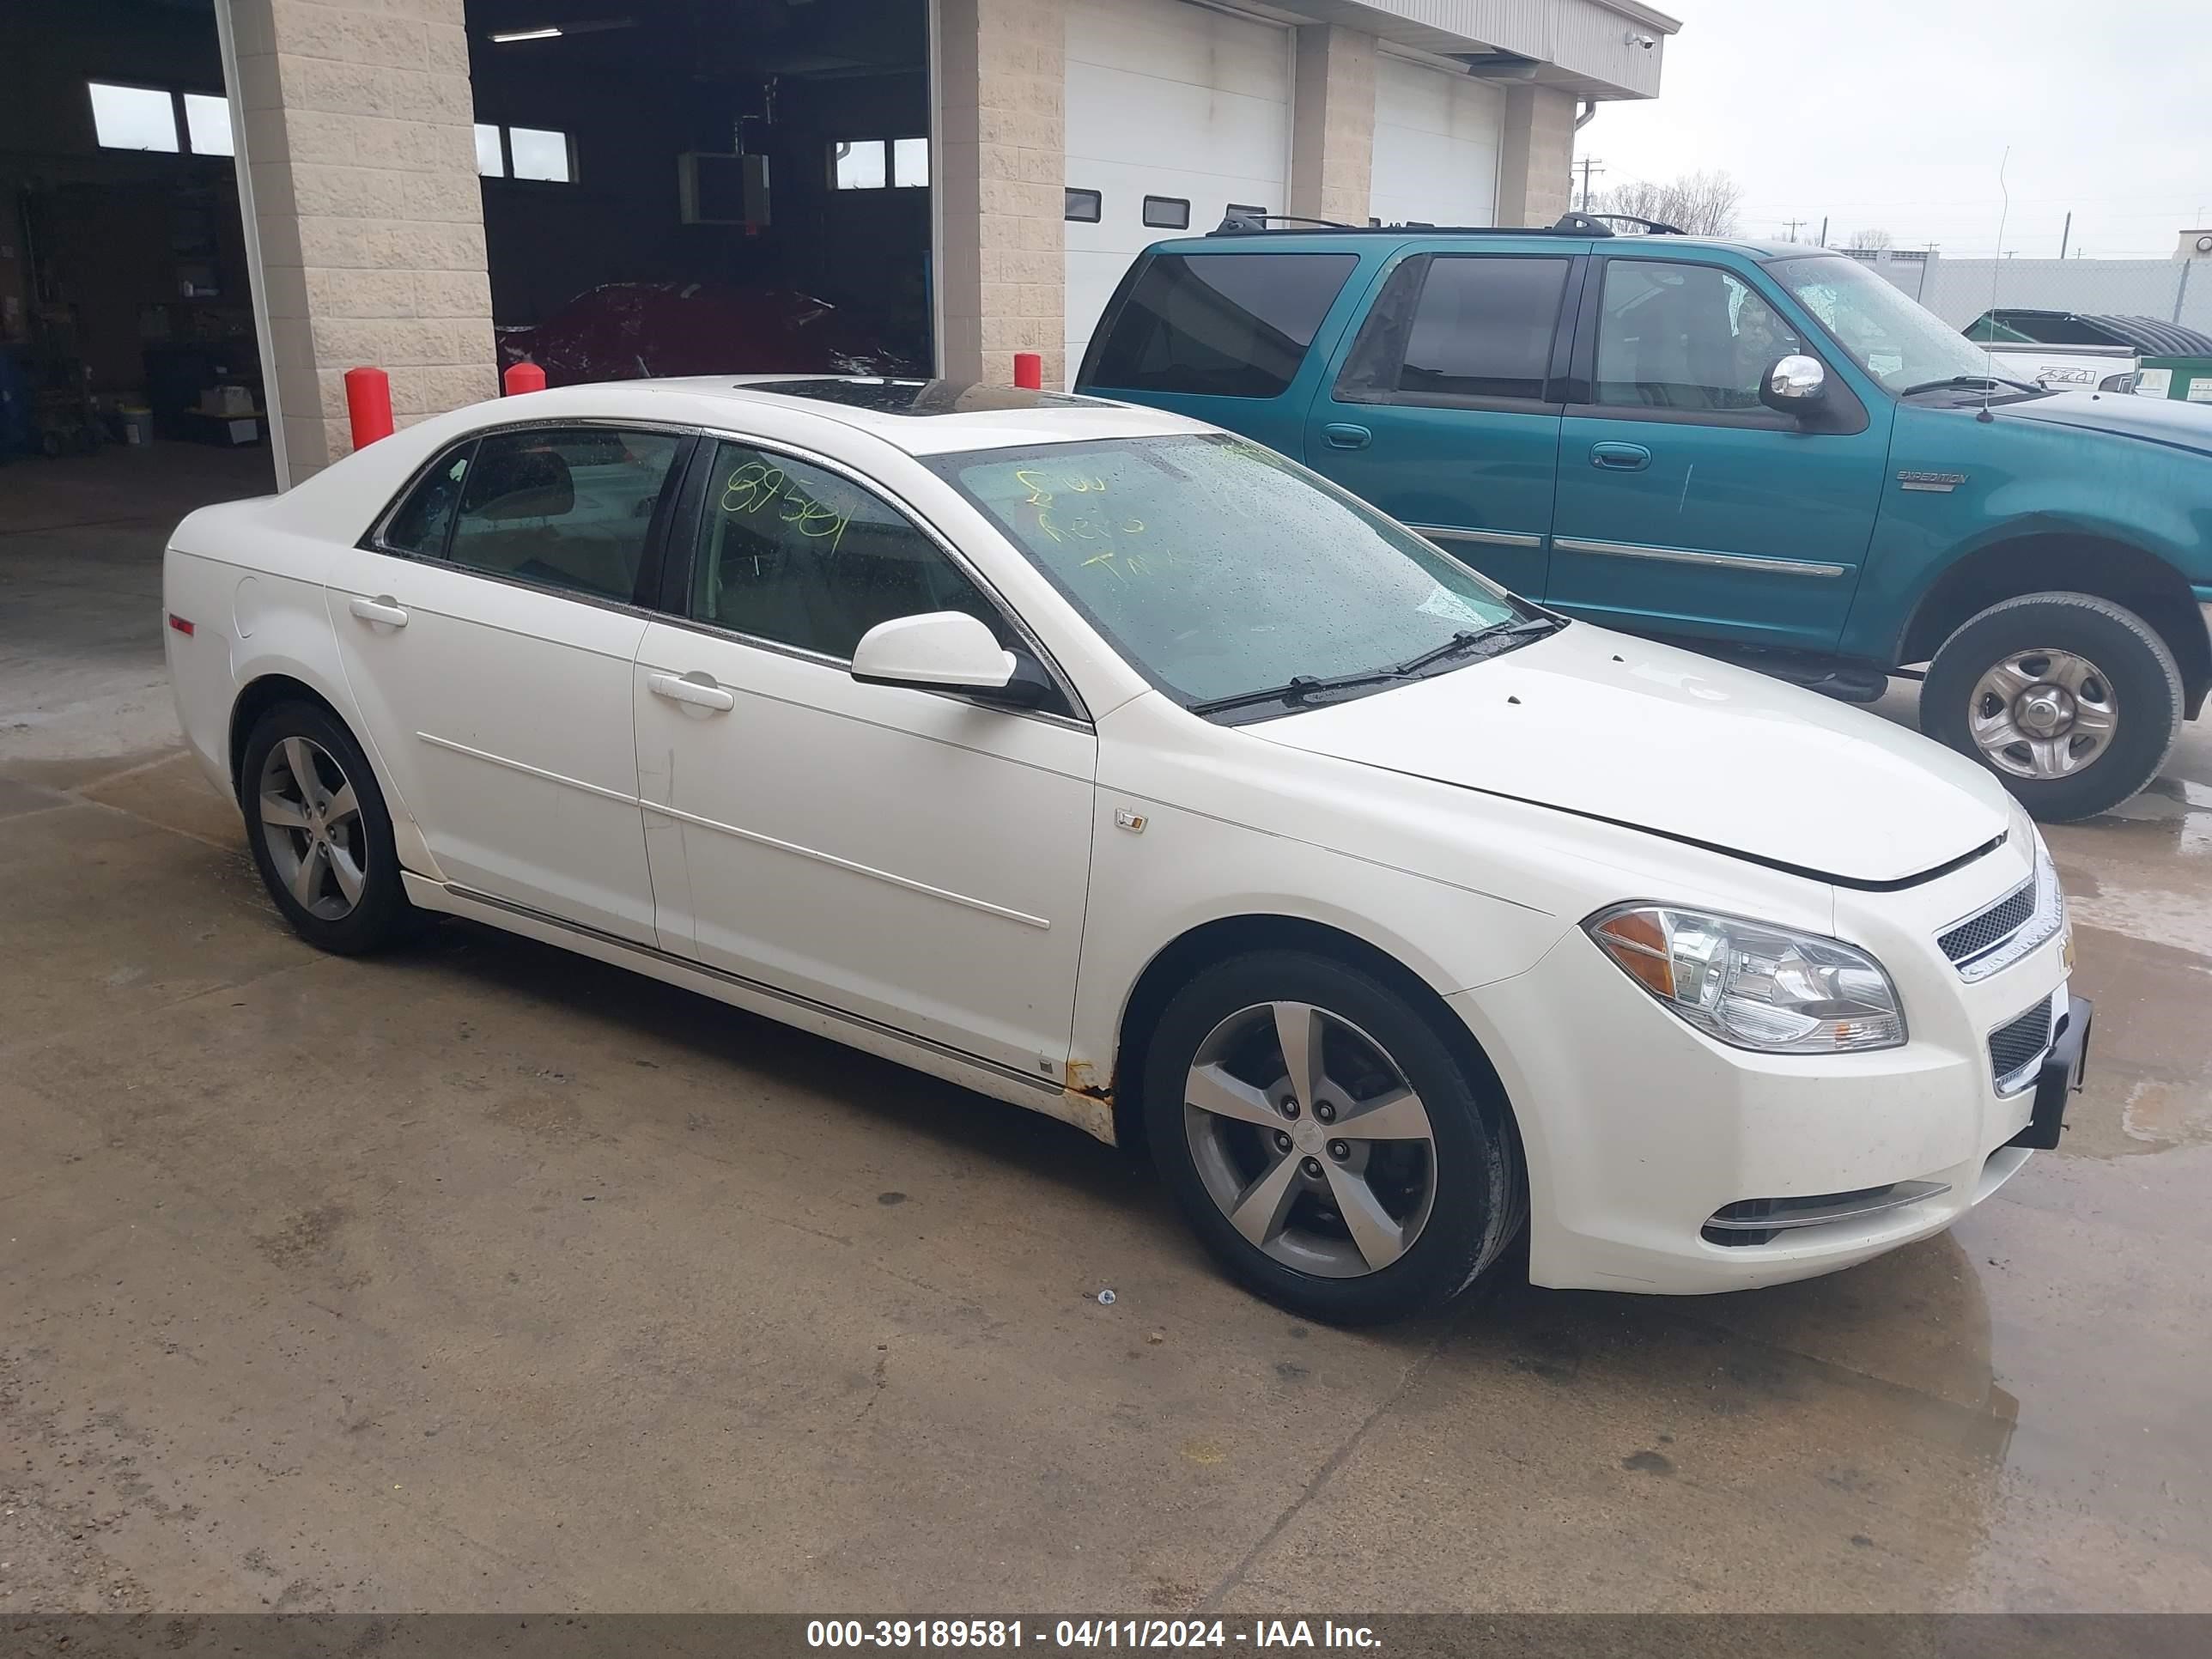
2072 701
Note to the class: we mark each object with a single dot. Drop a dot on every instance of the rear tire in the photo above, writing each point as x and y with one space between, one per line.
2071 701
1300 1205
320 833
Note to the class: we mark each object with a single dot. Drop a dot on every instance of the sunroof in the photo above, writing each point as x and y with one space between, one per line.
925 396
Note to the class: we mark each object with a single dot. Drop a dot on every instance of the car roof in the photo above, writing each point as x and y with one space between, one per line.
1349 238
922 417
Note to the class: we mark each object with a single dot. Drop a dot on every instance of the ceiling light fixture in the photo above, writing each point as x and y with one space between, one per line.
507 37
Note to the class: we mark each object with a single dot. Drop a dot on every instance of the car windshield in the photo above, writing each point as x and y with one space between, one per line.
1892 338
1219 569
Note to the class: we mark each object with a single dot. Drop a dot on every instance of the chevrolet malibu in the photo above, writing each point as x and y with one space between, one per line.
1121 769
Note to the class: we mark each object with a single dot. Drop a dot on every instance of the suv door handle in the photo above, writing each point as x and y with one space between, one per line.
382 609
1620 458
1342 434
682 688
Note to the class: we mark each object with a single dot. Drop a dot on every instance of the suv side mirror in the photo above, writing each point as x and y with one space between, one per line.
1795 384
947 651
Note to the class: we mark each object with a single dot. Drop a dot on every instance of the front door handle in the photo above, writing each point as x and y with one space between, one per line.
382 609
1620 458
1342 434
699 693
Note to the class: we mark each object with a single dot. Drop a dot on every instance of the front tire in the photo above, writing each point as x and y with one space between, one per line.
1334 1152
2073 702
320 833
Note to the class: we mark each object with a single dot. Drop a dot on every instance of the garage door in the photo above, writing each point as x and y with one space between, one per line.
1186 106
1437 136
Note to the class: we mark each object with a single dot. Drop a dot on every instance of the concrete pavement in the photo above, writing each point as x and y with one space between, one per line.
483 1277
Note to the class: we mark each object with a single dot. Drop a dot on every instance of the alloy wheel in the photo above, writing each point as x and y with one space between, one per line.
2042 714
311 825
1310 1138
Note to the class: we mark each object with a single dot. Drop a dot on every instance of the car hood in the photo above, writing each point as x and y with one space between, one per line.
1608 727
2160 420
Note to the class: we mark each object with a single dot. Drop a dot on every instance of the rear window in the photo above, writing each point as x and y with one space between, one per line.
1220 326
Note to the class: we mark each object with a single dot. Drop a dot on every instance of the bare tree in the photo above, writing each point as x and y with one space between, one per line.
1702 203
1869 240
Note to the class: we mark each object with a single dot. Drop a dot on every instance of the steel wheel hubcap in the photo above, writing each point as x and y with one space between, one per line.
1308 1137
310 823
2042 714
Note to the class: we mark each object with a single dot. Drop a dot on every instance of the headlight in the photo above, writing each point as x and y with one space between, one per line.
1752 985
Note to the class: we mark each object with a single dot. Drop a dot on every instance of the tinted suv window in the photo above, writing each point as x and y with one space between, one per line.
1683 337
568 509
1484 327
1223 325
790 553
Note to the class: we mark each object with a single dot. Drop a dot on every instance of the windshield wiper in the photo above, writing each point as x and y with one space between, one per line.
1502 634
1297 688
1965 382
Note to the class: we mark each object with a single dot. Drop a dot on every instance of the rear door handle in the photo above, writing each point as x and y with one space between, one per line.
382 609
1342 434
699 693
1620 458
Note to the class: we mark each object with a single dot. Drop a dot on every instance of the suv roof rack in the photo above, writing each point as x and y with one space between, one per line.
1593 224
1571 224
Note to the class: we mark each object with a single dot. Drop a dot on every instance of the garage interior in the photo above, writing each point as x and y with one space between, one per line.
125 313
693 186
705 185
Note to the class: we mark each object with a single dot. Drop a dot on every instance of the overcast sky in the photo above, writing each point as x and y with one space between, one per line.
1896 113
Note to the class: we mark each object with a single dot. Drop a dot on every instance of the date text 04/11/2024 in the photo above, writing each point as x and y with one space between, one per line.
1086 1633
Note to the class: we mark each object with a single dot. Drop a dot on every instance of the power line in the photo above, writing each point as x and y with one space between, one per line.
1588 165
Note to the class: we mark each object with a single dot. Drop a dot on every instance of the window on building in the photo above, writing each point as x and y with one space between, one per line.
879 163
535 153
1683 337
539 153
207 124
1225 325
1167 212
1484 327
133 118
793 554
1083 206
568 510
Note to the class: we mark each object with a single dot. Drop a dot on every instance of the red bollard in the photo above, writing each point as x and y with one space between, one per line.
369 404
525 377
1028 371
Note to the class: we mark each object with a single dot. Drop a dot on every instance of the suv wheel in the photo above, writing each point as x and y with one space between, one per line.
2072 701
1327 1145
320 835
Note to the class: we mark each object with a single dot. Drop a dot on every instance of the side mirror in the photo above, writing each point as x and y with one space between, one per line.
946 650
1795 384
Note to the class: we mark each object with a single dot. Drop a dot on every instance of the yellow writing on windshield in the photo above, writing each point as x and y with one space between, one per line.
1071 508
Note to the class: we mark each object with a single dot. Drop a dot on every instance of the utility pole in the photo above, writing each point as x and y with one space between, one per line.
1823 230
1791 235
2067 235
1588 165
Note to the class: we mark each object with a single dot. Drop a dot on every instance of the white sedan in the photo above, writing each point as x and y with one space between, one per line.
1121 768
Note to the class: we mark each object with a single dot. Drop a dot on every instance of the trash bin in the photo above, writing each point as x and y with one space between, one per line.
138 425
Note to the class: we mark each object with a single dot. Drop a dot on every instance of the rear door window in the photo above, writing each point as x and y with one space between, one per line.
1220 326
1459 326
571 509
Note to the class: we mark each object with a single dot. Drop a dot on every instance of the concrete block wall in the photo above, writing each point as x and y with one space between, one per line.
358 128
1333 125
1535 160
1000 173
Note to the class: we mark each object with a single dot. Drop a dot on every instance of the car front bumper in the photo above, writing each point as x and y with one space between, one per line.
1640 1131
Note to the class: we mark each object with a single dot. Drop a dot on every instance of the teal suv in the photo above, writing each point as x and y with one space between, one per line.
1765 451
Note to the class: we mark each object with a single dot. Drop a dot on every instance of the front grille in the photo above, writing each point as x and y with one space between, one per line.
2018 1045
1992 928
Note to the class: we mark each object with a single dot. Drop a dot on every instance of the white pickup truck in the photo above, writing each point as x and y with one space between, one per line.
2077 350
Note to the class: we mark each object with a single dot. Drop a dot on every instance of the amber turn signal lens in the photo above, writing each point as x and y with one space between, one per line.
1636 939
